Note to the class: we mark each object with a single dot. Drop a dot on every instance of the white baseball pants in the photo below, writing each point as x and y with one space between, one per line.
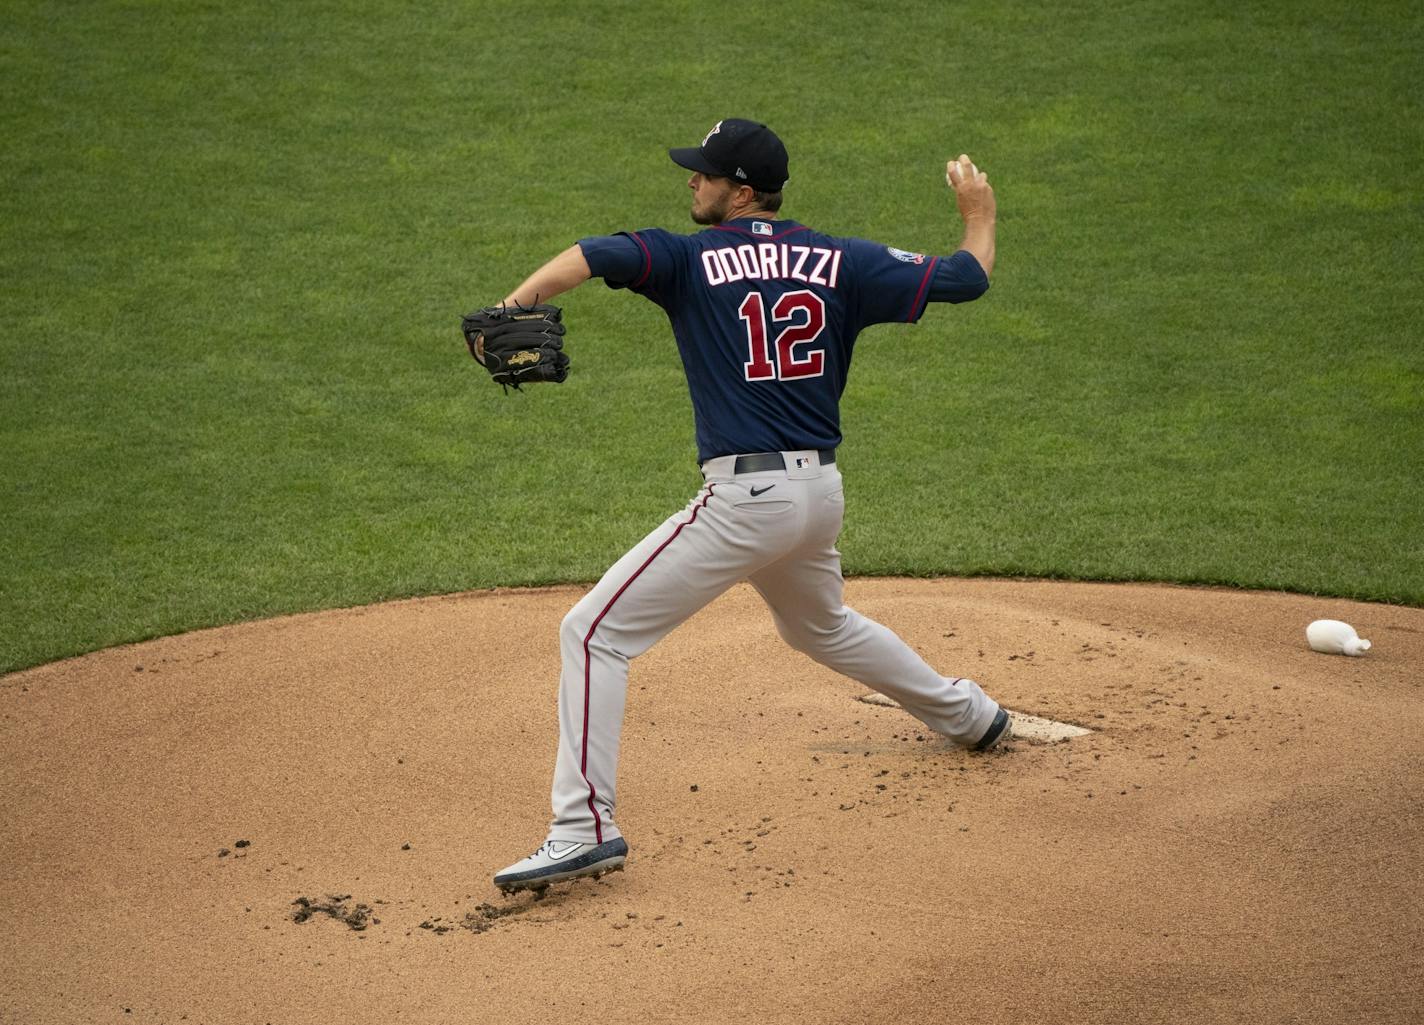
776 529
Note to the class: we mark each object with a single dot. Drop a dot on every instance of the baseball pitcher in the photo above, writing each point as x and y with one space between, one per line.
765 312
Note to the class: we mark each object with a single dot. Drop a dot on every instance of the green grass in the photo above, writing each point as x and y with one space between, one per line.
238 239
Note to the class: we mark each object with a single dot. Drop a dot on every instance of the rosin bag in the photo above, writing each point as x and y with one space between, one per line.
1333 637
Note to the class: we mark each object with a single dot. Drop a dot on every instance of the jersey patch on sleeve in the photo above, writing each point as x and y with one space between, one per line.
905 257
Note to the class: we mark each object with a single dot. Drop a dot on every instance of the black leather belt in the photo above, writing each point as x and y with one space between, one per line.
761 462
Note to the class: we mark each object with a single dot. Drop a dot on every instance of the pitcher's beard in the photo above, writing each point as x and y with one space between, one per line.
714 214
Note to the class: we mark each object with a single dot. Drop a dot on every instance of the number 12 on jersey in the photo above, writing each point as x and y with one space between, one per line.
777 360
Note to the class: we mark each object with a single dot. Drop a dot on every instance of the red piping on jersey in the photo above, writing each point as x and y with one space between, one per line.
744 231
924 283
647 259
588 665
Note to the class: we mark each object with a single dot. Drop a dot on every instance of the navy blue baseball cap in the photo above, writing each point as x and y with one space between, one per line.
747 152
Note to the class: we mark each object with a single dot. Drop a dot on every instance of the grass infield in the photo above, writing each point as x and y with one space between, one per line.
238 239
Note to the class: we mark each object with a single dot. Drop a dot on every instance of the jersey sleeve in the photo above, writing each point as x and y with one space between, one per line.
645 261
894 285
891 284
958 279
617 259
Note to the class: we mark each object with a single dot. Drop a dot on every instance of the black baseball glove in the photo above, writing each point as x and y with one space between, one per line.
518 344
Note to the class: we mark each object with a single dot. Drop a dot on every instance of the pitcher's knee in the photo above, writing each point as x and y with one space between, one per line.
586 628
577 623
807 638
792 635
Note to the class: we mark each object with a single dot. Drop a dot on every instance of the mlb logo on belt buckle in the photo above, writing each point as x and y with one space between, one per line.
802 462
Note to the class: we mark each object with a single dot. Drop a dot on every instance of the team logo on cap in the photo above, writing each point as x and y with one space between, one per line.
715 129
905 257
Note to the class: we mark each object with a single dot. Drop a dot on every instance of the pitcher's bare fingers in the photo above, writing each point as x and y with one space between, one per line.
961 170
972 192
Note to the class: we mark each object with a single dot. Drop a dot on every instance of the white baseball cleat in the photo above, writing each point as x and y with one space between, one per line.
558 860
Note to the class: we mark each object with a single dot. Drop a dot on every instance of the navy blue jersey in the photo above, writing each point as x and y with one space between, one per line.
766 314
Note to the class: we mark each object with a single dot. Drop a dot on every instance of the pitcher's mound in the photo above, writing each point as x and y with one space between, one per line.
296 821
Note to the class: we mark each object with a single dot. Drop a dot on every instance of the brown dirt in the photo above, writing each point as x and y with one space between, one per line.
1239 841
